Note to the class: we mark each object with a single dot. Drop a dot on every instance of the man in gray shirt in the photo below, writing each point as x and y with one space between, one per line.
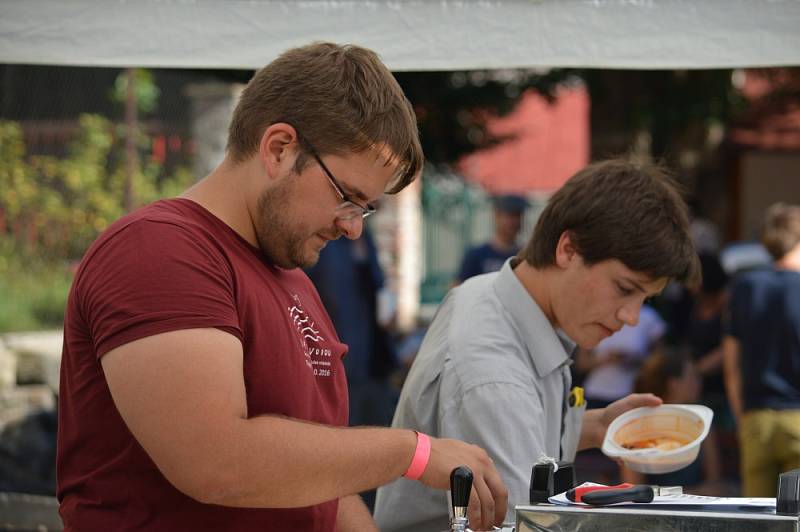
493 369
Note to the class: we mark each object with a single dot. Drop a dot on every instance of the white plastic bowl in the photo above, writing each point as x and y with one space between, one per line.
688 423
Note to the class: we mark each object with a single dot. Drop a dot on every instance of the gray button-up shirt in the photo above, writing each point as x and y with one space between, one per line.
491 371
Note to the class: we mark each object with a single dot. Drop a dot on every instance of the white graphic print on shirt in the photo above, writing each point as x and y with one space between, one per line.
317 358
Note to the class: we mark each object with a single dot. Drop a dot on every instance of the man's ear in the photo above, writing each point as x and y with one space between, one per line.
565 250
277 149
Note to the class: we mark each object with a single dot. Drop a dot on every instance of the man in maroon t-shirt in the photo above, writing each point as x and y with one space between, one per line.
202 384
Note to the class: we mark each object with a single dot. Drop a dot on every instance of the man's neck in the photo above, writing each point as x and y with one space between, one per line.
223 194
538 284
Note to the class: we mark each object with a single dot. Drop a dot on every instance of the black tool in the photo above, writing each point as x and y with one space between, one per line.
641 493
788 500
460 488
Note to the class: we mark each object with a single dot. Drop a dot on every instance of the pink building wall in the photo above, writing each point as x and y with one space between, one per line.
552 143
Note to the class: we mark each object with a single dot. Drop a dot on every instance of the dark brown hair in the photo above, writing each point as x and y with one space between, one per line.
781 232
618 209
339 98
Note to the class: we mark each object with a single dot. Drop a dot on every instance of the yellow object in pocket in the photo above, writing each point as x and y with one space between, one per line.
576 397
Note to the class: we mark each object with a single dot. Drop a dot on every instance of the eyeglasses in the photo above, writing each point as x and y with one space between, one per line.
348 208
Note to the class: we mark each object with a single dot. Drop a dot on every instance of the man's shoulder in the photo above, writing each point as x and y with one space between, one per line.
167 235
161 221
756 276
485 348
475 307
168 212
757 285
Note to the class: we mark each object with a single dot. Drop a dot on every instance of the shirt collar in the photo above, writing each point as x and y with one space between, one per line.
548 348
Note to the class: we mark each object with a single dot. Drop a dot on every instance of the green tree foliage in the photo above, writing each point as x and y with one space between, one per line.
145 89
52 209
676 108
454 108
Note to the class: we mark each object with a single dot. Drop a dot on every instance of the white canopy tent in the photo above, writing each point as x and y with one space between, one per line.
409 34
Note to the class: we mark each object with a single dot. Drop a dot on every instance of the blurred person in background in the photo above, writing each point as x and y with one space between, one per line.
508 211
202 382
349 279
703 340
676 303
671 374
761 356
704 332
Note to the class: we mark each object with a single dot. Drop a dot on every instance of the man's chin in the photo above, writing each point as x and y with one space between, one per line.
587 342
299 257
308 260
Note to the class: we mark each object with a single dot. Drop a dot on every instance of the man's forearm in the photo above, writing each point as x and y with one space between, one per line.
271 461
354 516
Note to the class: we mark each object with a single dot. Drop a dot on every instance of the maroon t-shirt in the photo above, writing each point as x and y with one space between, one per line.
168 266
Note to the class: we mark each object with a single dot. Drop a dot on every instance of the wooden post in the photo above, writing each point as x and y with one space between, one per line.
131 157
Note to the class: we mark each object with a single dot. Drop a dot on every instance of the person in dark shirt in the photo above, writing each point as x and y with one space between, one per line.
489 257
349 278
761 357
704 331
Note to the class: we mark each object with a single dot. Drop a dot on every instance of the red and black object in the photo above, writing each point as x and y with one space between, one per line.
576 494
640 493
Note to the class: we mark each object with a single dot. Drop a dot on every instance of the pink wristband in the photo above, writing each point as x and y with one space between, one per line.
421 456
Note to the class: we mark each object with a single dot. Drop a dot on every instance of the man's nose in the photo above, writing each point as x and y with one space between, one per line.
352 227
629 313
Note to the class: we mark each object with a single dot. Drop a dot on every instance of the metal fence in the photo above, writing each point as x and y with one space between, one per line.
456 215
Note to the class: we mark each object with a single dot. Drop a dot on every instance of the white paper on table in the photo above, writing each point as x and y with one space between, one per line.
682 500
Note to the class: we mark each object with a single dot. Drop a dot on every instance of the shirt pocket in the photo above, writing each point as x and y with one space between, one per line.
570 437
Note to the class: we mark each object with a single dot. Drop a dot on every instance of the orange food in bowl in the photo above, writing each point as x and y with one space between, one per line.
662 444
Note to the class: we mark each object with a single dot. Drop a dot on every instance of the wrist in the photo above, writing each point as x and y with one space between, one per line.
421 457
593 429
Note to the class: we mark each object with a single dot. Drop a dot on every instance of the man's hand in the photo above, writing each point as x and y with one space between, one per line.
634 400
489 497
596 422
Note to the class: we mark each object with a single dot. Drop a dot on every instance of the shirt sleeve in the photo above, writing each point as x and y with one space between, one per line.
506 420
154 277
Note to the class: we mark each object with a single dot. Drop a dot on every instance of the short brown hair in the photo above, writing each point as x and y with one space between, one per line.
619 209
339 98
781 232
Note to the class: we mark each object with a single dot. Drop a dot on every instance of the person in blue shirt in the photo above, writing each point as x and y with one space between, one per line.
761 357
348 278
508 211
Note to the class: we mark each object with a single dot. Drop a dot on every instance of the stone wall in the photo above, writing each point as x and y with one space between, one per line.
29 374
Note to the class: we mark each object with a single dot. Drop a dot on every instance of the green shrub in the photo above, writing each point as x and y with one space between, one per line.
32 298
52 209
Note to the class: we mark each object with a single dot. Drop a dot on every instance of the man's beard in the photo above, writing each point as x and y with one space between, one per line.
280 240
